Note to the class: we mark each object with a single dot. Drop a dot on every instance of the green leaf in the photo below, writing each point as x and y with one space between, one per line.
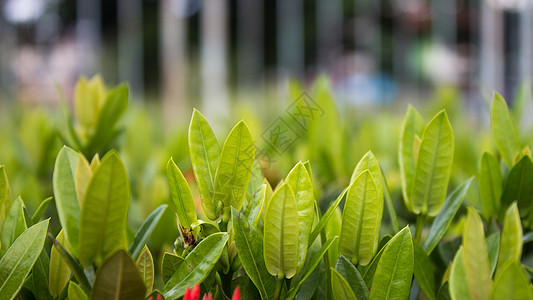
458 281
369 271
444 292
512 283
255 207
300 182
4 195
145 264
493 248
310 267
424 272
433 167
66 199
88 99
73 265
235 168
197 265
325 218
19 259
205 154
520 100
143 233
518 186
59 273
37 216
118 278
395 268
341 288
475 257
413 125
361 220
39 275
511 238
169 265
14 225
249 243
445 217
370 163
281 233
82 177
181 195
389 204
75 292
104 211
503 130
353 277
490 185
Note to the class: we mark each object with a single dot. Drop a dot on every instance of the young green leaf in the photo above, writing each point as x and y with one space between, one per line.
249 243
145 264
205 154
370 163
169 265
369 270
341 288
4 195
66 199
300 182
14 225
445 217
59 271
235 168
475 257
490 185
281 234
197 265
458 281
511 238
433 167
493 248
413 125
353 277
181 195
19 259
255 207
75 292
424 272
394 272
104 211
326 217
361 220
37 216
73 265
503 130
89 96
519 186
118 278
82 178
511 283
142 234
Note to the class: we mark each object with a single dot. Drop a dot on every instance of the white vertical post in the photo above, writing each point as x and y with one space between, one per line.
526 42
130 45
88 30
492 49
173 60
213 58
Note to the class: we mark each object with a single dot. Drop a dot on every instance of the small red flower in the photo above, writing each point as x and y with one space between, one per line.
192 295
236 294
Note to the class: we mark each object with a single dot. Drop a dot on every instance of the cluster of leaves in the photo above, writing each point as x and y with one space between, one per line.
273 241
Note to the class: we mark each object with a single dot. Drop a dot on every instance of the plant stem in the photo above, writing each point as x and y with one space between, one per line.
419 225
279 287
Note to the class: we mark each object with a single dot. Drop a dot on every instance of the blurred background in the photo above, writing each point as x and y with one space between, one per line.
209 53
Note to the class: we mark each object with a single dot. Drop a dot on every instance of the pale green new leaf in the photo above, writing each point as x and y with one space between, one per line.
19 259
75 292
145 264
413 125
14 225
197 265
59 270
235 168
394 272
66 199
475 257
300 182
104 211
490 185
118 278
281 234
361 220
205 154
458 281
433 167
511 239
341 288
511 284
181 195
503 130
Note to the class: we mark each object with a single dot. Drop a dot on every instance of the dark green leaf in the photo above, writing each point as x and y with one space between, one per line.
141 236
424 272
353 277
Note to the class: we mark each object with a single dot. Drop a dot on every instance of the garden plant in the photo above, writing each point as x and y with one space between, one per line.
213 221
